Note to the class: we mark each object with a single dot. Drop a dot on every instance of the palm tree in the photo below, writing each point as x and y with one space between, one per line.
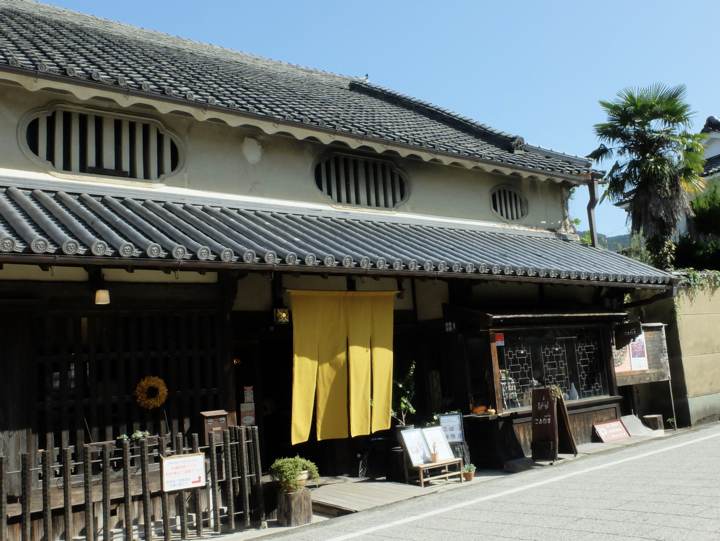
658 161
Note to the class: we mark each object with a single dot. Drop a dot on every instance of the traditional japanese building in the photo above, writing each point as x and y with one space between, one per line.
174 209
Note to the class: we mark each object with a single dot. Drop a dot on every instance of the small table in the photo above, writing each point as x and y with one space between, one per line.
425 474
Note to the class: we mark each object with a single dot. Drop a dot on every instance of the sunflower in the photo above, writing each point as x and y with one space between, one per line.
151 392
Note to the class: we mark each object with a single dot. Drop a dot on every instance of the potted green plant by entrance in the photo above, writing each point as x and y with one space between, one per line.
294 502
469 472
403 393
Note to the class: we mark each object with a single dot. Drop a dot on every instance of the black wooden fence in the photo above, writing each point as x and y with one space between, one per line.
115 491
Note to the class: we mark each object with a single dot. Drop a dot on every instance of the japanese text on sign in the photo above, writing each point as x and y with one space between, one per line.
183 472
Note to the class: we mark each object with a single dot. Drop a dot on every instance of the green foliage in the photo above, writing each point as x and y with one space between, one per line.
285 471
692 281
122 437
637 249
706 207
469 468
671 422
139 435
658 162
403 393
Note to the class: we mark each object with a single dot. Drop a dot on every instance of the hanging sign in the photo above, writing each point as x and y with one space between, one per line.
626 333
249 394
182 472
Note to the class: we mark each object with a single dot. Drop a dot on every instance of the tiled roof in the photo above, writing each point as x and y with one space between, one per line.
50 41
712 166
141 230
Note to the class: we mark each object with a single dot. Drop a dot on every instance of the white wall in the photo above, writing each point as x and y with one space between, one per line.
246 161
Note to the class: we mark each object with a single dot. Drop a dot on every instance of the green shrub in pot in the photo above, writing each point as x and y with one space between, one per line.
289 473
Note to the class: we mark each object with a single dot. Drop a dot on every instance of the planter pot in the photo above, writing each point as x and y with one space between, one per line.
301 480
434 457
468 475
294 508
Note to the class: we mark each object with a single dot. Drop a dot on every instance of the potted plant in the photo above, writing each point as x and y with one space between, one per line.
291 474
294 502
403 393
469 471
120 439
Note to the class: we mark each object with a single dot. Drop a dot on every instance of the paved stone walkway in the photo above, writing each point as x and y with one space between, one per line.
666 489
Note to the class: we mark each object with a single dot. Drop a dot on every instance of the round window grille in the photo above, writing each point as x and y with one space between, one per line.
360 182
509 204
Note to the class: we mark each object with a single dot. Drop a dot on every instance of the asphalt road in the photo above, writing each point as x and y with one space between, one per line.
666 489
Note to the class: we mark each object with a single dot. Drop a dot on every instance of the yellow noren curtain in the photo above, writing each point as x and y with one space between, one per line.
343 354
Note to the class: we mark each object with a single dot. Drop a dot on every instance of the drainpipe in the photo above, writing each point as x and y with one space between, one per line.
593 189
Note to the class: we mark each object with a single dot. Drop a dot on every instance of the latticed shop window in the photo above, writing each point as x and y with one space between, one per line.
571 358
361 182
509 203
74 141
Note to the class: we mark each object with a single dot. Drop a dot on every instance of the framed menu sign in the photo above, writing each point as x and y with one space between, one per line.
452 427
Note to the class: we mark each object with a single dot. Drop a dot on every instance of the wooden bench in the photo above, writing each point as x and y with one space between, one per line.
425 473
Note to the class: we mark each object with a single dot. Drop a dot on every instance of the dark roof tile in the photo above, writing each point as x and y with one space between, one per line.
41 37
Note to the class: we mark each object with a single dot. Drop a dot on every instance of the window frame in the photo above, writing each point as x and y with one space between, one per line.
53 107
519 193
327 156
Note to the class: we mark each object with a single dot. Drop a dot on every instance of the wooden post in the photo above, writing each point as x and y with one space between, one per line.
47 510
235 460
25 495
181 494
3 498
107 449
67 494
214 480
258 472
294 508
165 501
244 473
147 500
126 491
197 493
230 504
89 511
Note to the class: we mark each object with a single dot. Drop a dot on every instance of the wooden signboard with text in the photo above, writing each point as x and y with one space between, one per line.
544 442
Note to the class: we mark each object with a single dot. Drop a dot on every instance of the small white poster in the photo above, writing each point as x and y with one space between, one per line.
638 353
183 472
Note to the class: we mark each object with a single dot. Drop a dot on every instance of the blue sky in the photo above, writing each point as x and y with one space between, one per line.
535 69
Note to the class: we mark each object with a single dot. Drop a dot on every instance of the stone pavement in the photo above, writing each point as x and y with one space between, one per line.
665 489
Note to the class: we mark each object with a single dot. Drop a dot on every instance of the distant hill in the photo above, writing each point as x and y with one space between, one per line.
610 243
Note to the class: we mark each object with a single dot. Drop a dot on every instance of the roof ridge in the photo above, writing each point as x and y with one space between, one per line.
157 37
433 109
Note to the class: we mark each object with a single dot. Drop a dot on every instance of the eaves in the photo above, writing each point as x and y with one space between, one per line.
126 97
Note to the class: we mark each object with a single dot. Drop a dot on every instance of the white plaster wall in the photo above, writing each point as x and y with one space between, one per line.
158 277
254 294
35 273
218 158
430 296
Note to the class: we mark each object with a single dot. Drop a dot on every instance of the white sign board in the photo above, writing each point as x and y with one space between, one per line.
183 472
638 353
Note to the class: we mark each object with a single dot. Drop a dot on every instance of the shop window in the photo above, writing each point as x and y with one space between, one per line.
570 358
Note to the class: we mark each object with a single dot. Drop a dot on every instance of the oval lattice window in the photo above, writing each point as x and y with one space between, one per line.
361 182
509 204
76 141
